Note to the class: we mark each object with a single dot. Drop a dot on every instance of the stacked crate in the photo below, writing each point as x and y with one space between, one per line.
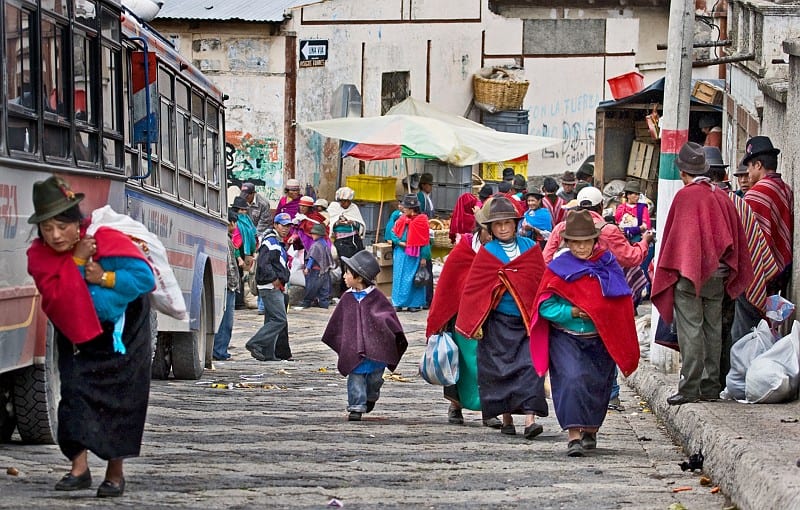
449 183
374 197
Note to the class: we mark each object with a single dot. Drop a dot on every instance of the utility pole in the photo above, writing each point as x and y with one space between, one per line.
674 133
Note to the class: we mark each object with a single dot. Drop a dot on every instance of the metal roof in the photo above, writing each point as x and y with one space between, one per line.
271 11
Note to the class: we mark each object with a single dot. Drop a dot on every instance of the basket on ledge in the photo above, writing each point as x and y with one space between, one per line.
501 94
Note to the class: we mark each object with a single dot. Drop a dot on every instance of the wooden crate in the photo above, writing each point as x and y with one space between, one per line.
708 93
643 160
642 131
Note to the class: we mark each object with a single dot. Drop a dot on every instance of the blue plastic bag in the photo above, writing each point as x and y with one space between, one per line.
439 363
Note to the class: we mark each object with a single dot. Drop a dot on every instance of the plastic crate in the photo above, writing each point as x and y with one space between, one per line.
626 84
512 121
370 188
444 196
449 174
494 171
369 211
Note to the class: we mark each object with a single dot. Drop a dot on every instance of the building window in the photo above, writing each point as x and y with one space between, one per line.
394 89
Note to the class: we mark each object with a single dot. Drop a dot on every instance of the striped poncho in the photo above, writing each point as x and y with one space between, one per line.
771 200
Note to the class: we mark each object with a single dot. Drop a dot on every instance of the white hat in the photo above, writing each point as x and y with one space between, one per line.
591 195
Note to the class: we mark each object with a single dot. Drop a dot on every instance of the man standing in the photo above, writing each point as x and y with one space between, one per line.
709 125
259 207
568 182
424 195
771 200
271 342
703 255
743 179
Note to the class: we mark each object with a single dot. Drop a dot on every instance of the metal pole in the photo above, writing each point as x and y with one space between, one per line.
674 133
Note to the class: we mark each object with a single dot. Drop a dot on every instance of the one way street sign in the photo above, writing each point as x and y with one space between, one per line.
313 49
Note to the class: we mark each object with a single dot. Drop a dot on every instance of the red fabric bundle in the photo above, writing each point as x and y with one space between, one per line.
463 219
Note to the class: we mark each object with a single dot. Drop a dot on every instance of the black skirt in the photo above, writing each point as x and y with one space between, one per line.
506 378
104 394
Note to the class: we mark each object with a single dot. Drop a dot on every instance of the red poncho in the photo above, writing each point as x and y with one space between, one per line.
418 231
65 296
449 289
489 278
613 318
463 219
702 230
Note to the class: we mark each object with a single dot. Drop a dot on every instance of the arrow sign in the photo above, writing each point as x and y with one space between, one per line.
313 49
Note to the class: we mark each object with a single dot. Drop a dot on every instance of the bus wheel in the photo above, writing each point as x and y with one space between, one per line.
37 390
8 421
189 349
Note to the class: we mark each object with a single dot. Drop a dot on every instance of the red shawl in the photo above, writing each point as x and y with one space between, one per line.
418 231
448 292
521 206
489 279
702 229
65 296
613 318
463 219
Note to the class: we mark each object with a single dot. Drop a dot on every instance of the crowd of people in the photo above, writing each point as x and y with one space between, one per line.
524 293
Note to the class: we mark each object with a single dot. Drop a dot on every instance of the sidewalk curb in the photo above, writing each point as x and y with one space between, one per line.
744 469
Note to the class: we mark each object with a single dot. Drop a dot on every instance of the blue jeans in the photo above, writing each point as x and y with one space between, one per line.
363 388
262 344
615 384
223 336
318 287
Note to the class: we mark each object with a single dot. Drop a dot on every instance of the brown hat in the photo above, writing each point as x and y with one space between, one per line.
426 178
692 159
632 187
52 197
580 226
568 177
500 208
741 170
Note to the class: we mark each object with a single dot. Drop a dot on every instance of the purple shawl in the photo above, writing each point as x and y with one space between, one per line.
605 268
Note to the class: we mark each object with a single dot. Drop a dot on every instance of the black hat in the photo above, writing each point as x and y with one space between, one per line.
714 156
586 170
52 197
741 170
707 121
691 159
508 174
519 183
632 187
364 264
500 208
485 192
426 178
757 146
580 226
535 192
410 201
233 216
240 203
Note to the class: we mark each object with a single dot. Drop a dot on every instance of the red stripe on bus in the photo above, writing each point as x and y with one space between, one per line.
180 259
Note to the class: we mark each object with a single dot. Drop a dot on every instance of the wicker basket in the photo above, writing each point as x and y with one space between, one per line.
504 94
441 235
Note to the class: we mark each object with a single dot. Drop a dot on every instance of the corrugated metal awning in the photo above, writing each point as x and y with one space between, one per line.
271 11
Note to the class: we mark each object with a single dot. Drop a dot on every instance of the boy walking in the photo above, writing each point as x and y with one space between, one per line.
317 270
366 334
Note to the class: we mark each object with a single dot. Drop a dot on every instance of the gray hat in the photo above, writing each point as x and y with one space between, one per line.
692 159
500 208
632 187
426 178
410 201
364 264
485 192
319 229
714 156
534 192
741 170
519 183
504 186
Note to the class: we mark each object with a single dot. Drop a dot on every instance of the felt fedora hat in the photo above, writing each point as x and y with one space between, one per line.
52 197
508 174
632 187
741 170
692 159
757 146
426 178
519 182
580 226
319 229
410 201
714 156
534 192
240 203
500 208
568 177
364 264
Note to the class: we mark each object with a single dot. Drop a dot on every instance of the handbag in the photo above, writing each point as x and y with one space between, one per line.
667 334
439 363
422 277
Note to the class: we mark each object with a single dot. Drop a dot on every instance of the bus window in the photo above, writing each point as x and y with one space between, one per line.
21 94
111 69
56 6
86 13
196 148
110 25
54 70
84 65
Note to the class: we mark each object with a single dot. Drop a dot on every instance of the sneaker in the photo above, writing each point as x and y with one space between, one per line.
300 307
254 353
354 416
574 448
589 440
454 415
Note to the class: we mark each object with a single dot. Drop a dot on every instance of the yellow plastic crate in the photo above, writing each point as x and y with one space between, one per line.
494 171
370 188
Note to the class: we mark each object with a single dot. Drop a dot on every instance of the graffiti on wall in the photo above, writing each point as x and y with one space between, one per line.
572 120
256 160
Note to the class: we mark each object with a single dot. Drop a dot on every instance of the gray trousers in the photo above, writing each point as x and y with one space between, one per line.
698 320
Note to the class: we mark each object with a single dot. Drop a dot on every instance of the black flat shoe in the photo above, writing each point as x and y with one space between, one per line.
454 415
680 399
508 430
533 430
354 416
492 423
70 482
370 405
109 489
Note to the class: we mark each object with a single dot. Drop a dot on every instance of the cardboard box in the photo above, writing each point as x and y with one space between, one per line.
643 161
383 252
708 93
386 288
385 276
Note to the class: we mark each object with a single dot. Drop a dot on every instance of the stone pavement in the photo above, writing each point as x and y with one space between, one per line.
751 450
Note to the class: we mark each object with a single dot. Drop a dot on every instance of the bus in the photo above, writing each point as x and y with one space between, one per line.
93 94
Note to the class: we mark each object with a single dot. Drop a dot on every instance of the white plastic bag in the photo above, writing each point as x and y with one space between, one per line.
167 297
774 376
439 363
743 352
